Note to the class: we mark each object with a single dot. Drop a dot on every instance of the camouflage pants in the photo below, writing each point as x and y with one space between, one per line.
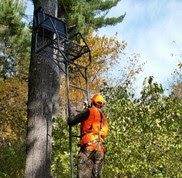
90 164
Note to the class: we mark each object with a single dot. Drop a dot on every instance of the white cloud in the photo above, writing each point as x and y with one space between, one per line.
149 28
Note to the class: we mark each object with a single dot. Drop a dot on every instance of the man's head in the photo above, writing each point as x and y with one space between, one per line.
98 100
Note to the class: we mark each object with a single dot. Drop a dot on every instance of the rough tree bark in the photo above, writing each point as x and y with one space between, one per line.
43 100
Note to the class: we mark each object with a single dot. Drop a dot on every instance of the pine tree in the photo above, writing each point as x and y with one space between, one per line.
87 13
14 40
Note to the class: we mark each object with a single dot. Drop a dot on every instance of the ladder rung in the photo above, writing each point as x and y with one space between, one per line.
74 86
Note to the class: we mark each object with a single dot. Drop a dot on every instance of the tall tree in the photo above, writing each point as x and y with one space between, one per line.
43 91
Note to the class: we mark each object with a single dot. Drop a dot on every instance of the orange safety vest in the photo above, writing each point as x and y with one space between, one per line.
93 130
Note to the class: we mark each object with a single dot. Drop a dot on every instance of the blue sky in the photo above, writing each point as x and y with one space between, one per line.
149 28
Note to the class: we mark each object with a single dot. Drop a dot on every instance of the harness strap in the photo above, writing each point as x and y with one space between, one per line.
90 143
91 133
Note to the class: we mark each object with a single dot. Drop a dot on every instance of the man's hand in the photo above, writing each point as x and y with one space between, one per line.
73 110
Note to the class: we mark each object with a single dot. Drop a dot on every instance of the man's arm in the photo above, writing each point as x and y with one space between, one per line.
79 118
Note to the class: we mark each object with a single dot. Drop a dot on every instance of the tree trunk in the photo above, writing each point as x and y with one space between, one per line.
43 100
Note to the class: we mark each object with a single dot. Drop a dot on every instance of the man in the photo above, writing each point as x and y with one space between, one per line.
94 128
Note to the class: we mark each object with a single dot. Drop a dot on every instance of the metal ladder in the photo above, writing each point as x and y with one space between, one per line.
66 51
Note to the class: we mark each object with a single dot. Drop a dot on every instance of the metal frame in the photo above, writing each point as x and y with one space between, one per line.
67 49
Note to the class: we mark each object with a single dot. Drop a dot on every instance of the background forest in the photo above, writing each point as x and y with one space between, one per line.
145 138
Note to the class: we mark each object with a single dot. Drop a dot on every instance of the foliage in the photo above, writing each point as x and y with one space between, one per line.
14 40
14 60
176 84
88 13
13 70
60 150
13 96
144 138
12 159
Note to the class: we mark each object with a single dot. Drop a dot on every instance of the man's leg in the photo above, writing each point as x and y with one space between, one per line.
98 162
85 164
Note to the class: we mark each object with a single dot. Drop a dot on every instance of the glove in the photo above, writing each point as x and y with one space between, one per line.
70 119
